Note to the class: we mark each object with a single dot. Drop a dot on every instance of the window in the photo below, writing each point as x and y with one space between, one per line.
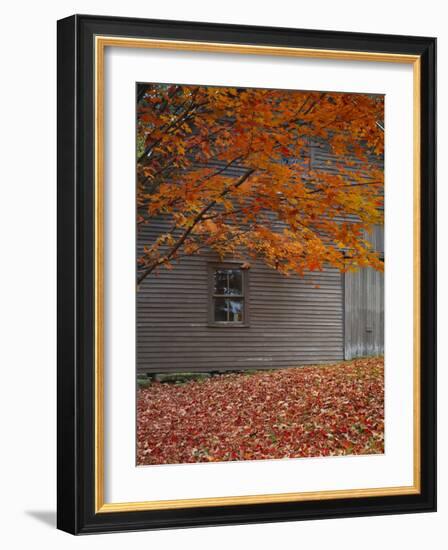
228 287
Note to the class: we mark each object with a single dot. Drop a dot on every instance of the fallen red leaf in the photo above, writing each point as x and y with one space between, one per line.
310 411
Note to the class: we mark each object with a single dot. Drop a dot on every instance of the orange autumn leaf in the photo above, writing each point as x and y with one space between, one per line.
230 169
211 226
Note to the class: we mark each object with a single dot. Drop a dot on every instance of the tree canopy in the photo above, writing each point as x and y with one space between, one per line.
229 169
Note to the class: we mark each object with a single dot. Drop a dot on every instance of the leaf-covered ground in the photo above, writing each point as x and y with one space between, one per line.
296 412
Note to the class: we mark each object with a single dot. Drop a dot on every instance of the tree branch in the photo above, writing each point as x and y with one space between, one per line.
166 258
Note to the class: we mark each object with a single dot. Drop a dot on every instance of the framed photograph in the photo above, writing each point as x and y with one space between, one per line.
246 274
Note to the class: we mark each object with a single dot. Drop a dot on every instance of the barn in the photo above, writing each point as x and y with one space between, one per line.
210 314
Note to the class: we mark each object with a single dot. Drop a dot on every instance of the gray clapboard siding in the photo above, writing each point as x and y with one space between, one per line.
291 322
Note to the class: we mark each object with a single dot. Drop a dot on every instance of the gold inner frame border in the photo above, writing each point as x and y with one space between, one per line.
100 44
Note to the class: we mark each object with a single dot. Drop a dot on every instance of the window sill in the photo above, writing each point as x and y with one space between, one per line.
223 324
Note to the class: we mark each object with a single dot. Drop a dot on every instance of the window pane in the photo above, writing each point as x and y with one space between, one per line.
235 282
221 281
228 282
228 310
235 310
221 308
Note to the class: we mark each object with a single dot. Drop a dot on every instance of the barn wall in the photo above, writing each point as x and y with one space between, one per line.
364 313
364 307
291 321
364 289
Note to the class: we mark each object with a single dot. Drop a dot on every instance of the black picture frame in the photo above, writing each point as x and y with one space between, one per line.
76 285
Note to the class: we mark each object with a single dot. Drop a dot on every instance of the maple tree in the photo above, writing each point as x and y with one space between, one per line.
307 411
228 169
